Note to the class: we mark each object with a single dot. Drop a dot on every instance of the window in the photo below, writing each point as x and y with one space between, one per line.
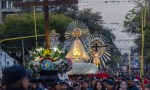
3 4
9 4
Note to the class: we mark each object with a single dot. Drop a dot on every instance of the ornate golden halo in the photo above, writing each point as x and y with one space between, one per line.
77 32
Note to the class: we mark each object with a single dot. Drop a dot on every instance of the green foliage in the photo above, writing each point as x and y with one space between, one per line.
21 25
59 23
132 26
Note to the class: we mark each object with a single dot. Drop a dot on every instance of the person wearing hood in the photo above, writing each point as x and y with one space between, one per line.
15 78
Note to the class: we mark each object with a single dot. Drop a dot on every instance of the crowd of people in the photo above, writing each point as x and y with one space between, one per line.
17 78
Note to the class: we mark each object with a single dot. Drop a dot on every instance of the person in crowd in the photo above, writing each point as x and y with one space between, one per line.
147 87
1 86
34 84
138 84
117 86
93 82
131 85
98 86
69 83
57 86
84 85
76 87
144 82
123 85
105 83
15 78
110 85
63 86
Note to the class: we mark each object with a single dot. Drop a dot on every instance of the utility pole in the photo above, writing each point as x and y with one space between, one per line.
143 25
46 4
23 54
35 27
129 61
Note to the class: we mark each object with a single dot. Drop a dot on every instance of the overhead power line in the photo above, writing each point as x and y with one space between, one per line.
106 2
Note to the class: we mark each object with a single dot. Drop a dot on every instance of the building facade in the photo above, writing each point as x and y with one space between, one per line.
6 8
6 61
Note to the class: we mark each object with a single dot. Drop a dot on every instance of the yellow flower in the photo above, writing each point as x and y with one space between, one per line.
47 52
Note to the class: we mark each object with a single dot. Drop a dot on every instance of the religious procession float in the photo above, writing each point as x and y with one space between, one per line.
82 54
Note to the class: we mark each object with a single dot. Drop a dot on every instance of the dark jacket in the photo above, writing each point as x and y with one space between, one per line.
38 88
11 88
133 88
91 87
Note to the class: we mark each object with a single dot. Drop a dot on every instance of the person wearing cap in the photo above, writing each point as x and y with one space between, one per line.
57 86
110 85
93 82
131 85
15 78
34 84
63 86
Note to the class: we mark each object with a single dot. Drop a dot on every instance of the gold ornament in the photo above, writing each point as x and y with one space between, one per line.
77 32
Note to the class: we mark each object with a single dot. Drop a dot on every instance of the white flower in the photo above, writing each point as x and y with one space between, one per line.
62 64
36 63
37 59
39 49
34 52
58 62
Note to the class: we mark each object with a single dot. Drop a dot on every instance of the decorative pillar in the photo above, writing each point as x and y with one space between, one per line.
6 4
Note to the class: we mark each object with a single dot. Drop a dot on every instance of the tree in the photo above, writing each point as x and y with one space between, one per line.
23 25
132 26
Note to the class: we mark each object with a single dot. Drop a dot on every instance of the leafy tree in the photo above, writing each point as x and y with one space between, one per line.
132 26
92 20
23 25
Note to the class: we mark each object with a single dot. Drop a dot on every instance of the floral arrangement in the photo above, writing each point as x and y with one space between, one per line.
42 59
63 65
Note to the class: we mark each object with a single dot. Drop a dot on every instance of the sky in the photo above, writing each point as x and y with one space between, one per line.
113 13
